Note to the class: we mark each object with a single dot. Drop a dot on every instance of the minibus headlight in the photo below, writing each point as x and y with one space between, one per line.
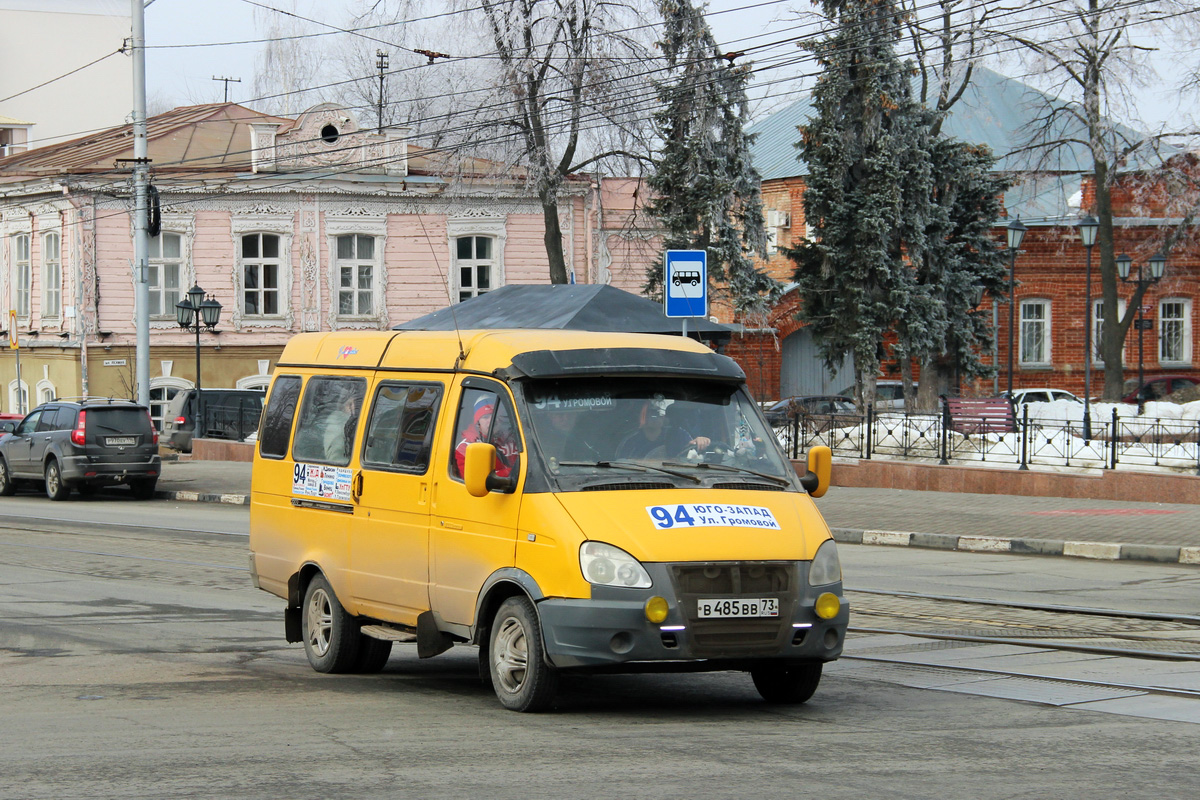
825 567
605 565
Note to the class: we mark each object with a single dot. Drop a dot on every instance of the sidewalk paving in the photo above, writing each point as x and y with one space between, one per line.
1100 529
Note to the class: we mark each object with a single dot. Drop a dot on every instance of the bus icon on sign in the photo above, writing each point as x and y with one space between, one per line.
683 276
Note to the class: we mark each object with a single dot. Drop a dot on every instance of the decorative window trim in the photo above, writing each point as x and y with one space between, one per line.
1048 355
14 284
253 382
41 387
185 227
1187 332
345 225
283 226
55 318
495 228
12 397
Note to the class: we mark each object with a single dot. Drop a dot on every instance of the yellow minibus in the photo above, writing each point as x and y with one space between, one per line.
565 501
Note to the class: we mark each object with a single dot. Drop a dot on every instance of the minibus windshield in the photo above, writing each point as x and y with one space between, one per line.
668 426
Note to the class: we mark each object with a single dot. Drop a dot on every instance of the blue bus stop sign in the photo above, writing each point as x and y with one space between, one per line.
685 278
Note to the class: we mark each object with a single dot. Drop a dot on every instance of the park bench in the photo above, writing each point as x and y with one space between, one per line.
979 415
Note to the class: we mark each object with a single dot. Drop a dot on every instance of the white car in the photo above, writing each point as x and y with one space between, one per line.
888 394
1040 395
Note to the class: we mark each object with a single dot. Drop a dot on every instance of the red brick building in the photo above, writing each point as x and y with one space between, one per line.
1050 269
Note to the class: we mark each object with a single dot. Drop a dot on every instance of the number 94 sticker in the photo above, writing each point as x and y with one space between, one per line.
698 515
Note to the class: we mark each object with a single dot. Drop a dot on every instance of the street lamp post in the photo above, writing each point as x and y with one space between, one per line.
1088 226
193 313
1158 265
1016 234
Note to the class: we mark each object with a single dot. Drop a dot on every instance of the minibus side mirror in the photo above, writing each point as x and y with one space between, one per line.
478 471
820 463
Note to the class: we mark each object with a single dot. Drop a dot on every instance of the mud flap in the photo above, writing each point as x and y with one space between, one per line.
431 641
291 624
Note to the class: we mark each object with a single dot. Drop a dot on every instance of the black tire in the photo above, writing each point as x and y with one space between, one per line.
372 655
56 487
331 636
786 683
143 488
520 676
8 486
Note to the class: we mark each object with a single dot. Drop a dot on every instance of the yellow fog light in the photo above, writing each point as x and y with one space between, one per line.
828 605
656 609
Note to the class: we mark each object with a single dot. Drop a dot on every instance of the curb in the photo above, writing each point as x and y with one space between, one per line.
1103 551
205 497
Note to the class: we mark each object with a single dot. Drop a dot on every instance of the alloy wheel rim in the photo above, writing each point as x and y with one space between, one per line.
320 622
52 478
511 655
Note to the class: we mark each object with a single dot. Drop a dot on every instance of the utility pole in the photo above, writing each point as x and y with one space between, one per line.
141 180
227 82
381 63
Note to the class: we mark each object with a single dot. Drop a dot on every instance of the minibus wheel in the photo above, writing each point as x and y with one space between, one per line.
331 638
520 676
786 683
372 654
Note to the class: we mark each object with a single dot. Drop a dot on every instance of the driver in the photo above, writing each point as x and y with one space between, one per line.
655 436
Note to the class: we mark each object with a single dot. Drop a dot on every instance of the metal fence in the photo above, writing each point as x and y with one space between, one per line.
1121 440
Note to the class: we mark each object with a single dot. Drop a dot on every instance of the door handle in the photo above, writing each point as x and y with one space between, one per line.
356 486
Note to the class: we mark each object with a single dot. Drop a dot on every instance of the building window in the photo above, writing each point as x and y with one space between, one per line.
1098 329
166 273
45 392
52 275
1035 332
160 398
356 267
22 277
1175 331
476 267
18 397
260 274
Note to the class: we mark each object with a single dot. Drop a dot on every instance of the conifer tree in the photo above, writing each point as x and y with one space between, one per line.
706 193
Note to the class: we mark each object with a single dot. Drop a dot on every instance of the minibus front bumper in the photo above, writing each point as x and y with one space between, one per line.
611 629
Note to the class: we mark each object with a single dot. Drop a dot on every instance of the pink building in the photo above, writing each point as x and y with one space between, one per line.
296 225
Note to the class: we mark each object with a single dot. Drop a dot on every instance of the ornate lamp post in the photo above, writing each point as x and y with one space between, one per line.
193 313
1088 226
1016 234
1158 265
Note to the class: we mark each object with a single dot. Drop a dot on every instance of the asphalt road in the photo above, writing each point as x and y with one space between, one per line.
138 662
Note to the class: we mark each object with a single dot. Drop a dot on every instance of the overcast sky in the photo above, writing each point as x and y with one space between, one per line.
183 76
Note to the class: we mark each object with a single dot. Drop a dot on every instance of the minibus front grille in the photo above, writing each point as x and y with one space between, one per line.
732 578
616 487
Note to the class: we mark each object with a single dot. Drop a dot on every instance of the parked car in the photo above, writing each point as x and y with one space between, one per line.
228 414
1040 395
1160 387
782 411
9 418
888 394
81 445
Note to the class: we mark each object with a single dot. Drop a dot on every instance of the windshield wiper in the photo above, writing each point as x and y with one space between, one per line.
728 468
634 465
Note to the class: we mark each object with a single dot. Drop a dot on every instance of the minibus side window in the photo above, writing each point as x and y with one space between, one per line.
277 421
400 434
328 419
483 417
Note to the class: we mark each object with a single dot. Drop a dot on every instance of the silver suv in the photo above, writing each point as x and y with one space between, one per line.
80 445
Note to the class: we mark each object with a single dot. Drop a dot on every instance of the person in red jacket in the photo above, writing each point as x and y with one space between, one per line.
480 430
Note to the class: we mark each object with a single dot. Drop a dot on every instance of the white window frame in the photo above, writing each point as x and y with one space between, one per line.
166 382
495 229
474 264
156 274
336 226
13 401
261 262
283 226
1098 329
22 274
1044 323
1186 322
46 391
52 276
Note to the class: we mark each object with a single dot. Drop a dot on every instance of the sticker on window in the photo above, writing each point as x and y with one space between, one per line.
321 481
696 515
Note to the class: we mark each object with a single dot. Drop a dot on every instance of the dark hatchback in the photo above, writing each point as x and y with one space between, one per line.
814 405
81 445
